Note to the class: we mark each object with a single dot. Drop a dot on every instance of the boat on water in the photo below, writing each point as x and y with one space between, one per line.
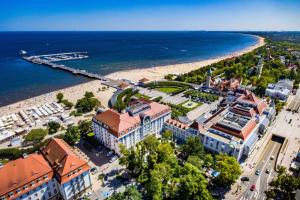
23 52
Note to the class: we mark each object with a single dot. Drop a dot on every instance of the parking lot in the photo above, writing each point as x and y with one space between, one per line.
101 164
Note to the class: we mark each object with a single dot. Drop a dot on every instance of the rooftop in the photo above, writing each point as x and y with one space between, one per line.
62 158
22 171
121 123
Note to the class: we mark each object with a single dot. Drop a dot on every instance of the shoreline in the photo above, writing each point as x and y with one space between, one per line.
153 73
158 72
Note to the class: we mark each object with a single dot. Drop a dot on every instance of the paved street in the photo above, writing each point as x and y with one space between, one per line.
262 180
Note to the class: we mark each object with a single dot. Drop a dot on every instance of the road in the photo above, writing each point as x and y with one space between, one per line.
262 181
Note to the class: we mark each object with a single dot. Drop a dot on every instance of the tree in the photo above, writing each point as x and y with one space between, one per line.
72 135
36 135
59 97
192 147
85 126
193 184
229 169
167 135
89 94
196 161
208 160
86 104
283 185
53 127
67 103
130 193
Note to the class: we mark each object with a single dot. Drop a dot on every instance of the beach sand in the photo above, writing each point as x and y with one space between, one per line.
71 93
158 73
155 73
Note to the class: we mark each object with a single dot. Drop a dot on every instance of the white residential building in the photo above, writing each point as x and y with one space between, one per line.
280 90
142 118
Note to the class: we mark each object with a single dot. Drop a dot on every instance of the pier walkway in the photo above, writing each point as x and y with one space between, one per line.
50 59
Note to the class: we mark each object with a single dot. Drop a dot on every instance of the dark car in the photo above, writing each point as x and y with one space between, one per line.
253 187
245 178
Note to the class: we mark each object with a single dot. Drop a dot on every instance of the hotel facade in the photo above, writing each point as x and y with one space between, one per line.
140 119
57 173
232 130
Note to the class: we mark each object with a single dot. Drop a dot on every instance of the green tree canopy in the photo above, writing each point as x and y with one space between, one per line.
72 135
53 127
59 97
229 169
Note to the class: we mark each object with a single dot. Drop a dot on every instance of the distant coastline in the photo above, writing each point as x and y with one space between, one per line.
158 72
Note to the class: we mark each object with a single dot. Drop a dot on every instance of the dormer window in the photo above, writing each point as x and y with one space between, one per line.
45 177
11 194
32 183
25 187
18 190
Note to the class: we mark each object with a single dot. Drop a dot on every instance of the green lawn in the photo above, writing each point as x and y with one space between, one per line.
190 104
138 95
167 89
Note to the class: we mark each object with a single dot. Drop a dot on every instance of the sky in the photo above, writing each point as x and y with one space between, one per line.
218 15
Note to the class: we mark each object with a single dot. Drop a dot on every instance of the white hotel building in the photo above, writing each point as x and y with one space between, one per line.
140 119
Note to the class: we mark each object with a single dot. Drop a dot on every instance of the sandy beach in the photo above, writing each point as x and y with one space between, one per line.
155 73
158 73
71 93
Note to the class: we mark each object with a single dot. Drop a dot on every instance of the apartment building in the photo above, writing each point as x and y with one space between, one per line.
140 119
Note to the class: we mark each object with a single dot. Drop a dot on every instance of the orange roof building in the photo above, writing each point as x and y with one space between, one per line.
69 168
140 119
235 130
29 177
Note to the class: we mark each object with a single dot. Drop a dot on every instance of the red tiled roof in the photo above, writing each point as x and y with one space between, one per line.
243 134
250 97
177 123
23 171
123 85
143 80
63 160
119 122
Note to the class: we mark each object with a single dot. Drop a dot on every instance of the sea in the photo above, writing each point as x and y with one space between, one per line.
108 52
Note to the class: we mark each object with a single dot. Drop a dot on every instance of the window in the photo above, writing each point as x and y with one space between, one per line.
32 183
55 191
49 194
11 194
18 190
46 176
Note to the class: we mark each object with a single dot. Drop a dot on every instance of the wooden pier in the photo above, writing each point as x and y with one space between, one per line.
49 60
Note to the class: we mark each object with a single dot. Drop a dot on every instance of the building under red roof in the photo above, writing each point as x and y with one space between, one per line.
24 174
120 123
64 161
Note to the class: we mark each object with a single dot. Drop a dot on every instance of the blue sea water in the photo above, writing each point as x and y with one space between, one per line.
108 52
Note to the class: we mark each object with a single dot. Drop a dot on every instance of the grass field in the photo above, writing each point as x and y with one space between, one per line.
190 104
167 89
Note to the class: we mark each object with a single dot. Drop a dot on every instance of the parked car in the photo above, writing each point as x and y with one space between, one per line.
272 157
253 187
113 159
257 172
245 178
267 171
